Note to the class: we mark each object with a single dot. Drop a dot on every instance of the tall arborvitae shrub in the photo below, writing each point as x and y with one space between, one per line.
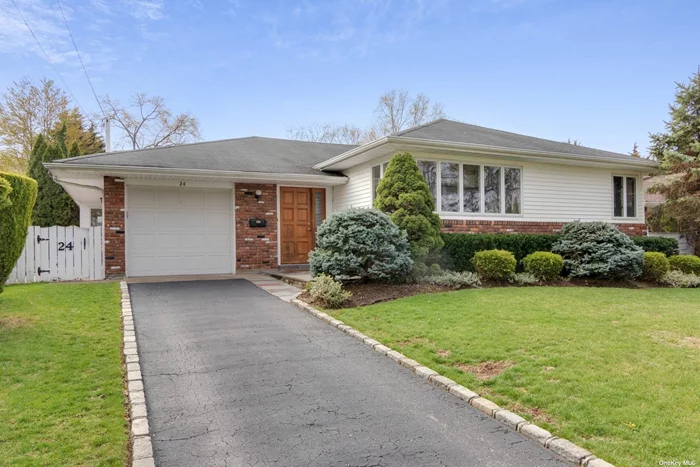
17 197
53 206
404 194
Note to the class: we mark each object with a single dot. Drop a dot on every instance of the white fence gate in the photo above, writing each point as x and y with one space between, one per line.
60 254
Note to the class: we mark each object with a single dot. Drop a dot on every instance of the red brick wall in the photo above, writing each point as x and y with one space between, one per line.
480 226
256 247
115 234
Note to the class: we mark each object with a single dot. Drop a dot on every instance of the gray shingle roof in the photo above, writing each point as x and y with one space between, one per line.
457 132
252 154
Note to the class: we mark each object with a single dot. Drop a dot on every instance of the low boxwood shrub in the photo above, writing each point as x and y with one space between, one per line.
361 243
545 266
681 280
329 291
688 264
598 249
452 279
524 278
495 264
18 198
665 245
655 266
459 249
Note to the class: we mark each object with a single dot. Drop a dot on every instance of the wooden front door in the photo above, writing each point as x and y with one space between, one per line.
297 224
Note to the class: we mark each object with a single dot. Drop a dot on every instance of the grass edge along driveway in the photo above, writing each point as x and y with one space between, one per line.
61 385
613 370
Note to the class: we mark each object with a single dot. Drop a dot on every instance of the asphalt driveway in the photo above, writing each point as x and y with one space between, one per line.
236 377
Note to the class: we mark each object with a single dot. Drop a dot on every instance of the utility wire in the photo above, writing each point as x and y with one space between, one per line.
48 59
81 59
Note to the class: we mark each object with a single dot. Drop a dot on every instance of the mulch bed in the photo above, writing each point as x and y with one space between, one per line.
371 293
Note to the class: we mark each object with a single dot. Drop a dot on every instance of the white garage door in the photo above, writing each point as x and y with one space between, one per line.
174 231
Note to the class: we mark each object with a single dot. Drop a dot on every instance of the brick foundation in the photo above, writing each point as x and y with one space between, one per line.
114 233
481 226
256 247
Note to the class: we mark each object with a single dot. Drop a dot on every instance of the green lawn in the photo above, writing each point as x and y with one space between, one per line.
61 390
614 370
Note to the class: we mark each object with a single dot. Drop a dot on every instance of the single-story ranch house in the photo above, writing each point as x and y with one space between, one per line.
255 203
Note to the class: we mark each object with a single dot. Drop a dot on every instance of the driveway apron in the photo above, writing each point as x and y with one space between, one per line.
236 377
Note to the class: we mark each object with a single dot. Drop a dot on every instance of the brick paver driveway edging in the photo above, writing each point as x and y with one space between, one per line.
563 447
140 439
234 376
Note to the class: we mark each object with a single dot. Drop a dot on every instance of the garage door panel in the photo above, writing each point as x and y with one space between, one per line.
142 221
218 200
166 197
178 231
217 223
194 198
141 196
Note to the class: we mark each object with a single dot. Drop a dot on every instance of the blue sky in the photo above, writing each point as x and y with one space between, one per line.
601 72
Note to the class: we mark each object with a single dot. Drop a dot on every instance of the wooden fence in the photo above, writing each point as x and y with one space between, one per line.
60 254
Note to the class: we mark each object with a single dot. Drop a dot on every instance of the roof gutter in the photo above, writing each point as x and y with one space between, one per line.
120 170
351 153
486 149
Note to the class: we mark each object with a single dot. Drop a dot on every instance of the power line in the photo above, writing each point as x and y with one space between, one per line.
81 59
48 59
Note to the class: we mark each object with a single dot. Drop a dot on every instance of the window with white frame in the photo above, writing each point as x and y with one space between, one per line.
474 188
378 172
624 196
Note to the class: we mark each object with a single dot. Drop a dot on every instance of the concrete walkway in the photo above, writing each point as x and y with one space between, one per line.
234 376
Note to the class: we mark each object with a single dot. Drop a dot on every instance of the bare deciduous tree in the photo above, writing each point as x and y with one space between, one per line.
574 142
148 123
26 110
395 111
340 134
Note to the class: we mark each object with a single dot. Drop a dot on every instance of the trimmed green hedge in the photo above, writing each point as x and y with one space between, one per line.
497 265
459 249
688 264
15 217
665 245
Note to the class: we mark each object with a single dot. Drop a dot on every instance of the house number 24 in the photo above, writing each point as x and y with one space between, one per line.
182 183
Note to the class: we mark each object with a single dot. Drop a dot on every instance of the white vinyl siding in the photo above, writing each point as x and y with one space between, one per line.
550 193
357 193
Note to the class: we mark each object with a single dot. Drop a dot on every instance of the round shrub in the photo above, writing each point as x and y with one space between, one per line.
494 264
361 243
544 265
598 249
328 291
688 264
17 197
655 266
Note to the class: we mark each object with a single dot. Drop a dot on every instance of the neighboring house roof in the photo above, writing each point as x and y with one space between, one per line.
655 199
252 154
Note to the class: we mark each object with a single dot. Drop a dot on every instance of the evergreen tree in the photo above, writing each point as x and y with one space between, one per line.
53 205
635 151
679 152
683 129
89 141
404 194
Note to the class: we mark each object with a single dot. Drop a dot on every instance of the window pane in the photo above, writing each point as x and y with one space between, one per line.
492 189
318 207
512 182
471 189
631 200
384 166
429 171
617 197
95 217
375 181
449 183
